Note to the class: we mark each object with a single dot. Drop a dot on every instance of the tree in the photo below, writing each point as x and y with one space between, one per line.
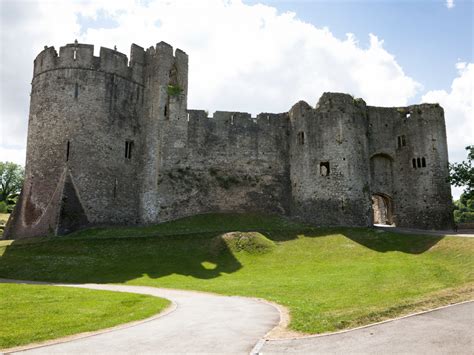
462 174
11 181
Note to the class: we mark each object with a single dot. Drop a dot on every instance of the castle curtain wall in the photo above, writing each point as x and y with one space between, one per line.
111 141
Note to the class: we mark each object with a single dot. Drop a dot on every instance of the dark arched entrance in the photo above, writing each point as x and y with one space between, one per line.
382 209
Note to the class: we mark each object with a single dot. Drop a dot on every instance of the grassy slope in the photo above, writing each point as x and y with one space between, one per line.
32 313
329 278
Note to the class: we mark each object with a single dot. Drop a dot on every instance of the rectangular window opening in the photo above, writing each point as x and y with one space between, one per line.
166 110
418 162
301 138
423 162
74 55
404 142
128 149
76 90
324 168
413 161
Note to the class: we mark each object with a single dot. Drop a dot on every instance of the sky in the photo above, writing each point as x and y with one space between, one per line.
261 56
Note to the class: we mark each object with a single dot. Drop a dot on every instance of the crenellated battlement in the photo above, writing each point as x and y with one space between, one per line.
111 141
81 56
239 119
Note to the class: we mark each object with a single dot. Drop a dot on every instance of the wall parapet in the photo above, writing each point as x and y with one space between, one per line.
81 56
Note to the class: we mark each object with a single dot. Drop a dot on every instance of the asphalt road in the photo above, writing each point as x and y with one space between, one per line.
448 330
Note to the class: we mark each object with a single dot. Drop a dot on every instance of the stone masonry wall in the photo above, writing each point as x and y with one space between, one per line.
111 141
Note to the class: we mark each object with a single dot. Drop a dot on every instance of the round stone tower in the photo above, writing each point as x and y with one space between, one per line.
83 139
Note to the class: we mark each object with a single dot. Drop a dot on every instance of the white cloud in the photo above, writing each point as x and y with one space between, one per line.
15 155
242 57
458 107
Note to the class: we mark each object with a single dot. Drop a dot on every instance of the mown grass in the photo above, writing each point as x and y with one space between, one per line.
33 313
330 279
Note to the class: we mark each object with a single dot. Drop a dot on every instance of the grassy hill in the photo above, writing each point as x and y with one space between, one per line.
329 278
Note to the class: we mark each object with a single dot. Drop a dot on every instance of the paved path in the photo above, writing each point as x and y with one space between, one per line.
207 323
466 233
445 331
201 323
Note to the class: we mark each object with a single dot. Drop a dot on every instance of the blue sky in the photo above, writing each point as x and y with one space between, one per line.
425 36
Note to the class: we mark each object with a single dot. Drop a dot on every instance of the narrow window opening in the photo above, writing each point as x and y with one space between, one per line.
404 142
232 119
300 138
166 110
188 117
399 142
74 55
68 147
115 188
413 161
423 162
128 149
324 168
418 162
76 90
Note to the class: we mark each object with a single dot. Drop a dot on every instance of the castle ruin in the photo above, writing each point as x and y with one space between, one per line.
111 141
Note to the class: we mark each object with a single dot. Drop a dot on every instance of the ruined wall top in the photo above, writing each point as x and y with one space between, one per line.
81 56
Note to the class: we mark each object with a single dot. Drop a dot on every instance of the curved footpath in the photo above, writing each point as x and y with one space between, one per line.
200 323
208 323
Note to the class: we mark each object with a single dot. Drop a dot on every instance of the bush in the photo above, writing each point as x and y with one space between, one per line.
3 207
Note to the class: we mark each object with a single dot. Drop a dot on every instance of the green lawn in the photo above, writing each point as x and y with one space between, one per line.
329 278
32 313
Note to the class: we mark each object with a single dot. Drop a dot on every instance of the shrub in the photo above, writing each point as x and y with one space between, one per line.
174 90
3 207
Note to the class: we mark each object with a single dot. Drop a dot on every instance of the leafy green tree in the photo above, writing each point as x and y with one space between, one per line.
464 209
462 174
11 181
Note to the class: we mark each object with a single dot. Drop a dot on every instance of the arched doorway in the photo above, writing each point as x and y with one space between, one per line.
382 209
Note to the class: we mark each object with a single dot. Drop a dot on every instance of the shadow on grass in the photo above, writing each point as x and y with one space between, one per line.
117 255
381 240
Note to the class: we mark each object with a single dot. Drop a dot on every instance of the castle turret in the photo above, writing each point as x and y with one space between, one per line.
328 161
85 116
165 121
409 165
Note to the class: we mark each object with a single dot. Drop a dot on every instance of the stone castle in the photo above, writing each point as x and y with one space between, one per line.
111 141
